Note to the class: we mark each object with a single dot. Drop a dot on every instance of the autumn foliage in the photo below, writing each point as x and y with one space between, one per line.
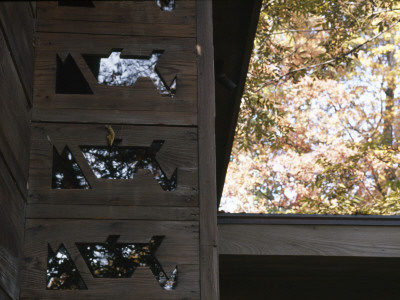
319 123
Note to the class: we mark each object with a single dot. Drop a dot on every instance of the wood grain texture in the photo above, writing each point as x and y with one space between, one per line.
17 21
317 240
11 232
258 277
4 295
178 151
119 18
104 212
141 103
179 247
14 118
207 164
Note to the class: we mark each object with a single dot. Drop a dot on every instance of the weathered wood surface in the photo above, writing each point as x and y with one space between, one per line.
180 247
103 212
11 232
119 18
207 176
16 82
4 295
17 21
14 118
317 240
179 151
140 103
258 277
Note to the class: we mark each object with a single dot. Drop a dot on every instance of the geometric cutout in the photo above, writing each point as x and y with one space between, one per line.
166 5
69 78
120 260
62 273
115 162
76 3
116 71
66 172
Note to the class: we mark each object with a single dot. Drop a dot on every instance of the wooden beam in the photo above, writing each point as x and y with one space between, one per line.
206 133
314 240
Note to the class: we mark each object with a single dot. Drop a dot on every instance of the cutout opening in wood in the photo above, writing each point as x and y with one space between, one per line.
62 273
66 172
166 5
120 260
76 3
69 78
123 162
117 70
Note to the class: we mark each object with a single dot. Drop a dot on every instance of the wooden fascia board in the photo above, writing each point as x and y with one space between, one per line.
310 239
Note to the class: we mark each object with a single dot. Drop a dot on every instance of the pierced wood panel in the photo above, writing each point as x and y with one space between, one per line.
178 153
179 248
119 17
140 103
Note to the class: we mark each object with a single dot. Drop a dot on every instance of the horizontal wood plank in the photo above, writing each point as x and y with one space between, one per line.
17 21
317 240
119 18
103 212
14 117
179 152
179 247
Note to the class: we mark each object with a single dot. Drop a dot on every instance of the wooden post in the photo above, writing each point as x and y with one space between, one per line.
207 172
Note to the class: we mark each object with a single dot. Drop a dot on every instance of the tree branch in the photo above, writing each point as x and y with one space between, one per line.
330 60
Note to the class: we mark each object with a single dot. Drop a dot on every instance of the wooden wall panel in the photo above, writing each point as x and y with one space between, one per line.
179 151
11 232
16 82
140 103
119 18
179 248
136 208
17 21
14 118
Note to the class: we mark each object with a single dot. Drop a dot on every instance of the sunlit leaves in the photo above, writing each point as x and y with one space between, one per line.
318 129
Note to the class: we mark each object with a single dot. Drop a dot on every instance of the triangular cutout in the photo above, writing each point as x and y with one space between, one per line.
66 172
76 3
62 273
69 78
